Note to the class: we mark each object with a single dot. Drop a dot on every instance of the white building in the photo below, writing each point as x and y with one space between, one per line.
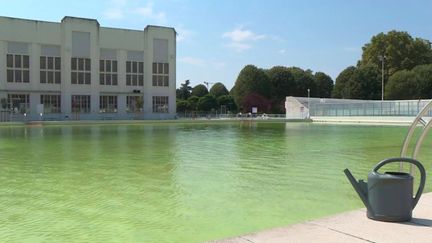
76 69
295 108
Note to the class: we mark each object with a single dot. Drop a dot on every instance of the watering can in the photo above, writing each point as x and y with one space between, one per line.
389 196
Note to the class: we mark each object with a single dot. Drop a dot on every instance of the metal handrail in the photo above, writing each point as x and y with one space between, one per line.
408 137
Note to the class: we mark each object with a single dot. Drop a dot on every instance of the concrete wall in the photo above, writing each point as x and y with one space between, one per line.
294 109
35 34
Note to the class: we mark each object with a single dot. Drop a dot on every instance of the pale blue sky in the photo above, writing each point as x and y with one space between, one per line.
218 38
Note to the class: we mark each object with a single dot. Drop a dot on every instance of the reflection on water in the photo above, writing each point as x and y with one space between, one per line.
180 182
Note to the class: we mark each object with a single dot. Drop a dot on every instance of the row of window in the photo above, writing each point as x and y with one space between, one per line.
20 103
18 71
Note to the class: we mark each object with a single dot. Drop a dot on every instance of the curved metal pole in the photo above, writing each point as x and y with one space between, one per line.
411 130
421 139
419 143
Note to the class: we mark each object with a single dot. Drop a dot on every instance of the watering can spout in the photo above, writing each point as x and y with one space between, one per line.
361 188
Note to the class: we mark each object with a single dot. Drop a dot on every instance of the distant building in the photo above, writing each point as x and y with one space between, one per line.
319 108
76 69
295 108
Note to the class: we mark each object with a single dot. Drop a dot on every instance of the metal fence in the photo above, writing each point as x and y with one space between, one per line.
9 116
216 115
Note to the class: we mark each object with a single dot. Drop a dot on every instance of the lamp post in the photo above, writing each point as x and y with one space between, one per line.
382 59
308 115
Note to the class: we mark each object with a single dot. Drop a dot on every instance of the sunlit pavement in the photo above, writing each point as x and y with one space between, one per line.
352 226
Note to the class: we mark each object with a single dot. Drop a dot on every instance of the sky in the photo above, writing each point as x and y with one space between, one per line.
217 38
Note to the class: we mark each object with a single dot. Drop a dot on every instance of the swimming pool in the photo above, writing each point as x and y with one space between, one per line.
181 182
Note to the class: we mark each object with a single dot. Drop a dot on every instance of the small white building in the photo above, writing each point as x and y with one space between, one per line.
76 69
295 109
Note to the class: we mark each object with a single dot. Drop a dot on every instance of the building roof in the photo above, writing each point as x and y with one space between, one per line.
85 19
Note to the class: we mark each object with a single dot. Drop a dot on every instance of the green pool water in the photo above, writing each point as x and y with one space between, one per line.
181 182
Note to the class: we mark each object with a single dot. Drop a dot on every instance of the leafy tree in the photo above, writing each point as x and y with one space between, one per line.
401 51
218 89
411 84
184 91
358 83
207 103
199 90
324 85
365 83
424 78
193 102
227 101
251 80
256 100
282 84
304 80
340 89
402 85
182 105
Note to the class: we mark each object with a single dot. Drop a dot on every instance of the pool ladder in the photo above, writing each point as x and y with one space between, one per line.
426 124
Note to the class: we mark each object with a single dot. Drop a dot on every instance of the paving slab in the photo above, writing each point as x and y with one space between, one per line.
351 226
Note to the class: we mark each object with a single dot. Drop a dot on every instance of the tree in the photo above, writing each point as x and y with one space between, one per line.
193 103
218 89
282 85
182 105
304 80
340 89
282 82
256 100
251 80
199 90
411 84
184 91
402 85
207 103
365 83
358 83
401 51
324 85
424 78
227 101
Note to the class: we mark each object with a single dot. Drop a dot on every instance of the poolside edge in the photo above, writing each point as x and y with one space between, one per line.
351 226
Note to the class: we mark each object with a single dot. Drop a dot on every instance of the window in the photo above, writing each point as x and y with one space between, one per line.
80 70
81 103
107 104
160 104
108 72
51 103
134 103
134 73
19 103
50 70
18 68
160 74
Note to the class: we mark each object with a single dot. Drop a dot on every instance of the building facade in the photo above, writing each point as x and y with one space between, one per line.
76 69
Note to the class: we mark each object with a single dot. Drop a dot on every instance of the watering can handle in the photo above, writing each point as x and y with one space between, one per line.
411 161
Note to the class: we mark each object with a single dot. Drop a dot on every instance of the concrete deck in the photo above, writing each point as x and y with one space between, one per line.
352 226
